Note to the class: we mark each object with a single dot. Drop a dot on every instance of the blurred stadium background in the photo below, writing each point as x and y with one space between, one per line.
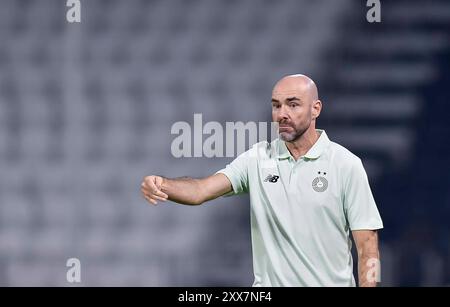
86 111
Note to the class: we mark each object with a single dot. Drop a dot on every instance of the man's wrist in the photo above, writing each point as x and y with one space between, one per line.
164 184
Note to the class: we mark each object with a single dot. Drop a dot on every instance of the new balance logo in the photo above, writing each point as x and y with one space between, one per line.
272 178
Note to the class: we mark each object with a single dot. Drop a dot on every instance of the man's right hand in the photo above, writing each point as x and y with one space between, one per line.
185 190
151 189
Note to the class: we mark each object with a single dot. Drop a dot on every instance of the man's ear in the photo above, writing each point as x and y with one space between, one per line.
316 108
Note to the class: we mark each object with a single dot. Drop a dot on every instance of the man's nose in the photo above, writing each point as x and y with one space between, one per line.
282 113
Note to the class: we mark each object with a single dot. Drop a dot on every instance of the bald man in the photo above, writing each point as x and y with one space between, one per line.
307 194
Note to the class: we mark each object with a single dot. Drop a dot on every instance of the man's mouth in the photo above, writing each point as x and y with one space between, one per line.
284 130
284 127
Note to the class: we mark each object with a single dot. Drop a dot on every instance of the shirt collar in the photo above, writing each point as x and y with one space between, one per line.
313 153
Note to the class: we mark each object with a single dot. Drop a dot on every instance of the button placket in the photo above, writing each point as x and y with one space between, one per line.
294 170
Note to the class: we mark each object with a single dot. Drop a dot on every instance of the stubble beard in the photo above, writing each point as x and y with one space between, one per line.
293 136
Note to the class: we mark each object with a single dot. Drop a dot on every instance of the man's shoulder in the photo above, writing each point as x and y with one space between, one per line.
263 150
256 150
343 155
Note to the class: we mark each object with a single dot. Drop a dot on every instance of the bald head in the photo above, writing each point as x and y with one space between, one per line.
295 106
300 85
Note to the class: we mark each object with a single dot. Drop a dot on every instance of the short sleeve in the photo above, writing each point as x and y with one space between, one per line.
359 204
237 173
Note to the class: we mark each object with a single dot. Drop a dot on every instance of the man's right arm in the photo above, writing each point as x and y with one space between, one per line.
186 191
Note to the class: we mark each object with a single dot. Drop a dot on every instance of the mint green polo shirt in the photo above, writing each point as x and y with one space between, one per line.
302 211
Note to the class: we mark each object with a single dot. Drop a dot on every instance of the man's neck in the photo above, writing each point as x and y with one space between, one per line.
300 146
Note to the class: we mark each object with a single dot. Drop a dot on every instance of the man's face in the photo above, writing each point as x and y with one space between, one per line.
292 110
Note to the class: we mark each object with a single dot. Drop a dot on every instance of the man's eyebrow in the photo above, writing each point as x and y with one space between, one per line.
289 99
292 99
